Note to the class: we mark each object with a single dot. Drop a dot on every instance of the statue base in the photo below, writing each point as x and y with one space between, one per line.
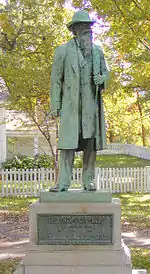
77 233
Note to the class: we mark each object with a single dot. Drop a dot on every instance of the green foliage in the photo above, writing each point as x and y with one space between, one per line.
129 20
78 161
127 117
25 162
29 33
40 161
43 161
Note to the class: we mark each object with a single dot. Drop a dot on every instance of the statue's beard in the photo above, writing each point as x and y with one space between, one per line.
85 42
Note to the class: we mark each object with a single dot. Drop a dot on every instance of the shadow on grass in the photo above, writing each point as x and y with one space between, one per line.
135 210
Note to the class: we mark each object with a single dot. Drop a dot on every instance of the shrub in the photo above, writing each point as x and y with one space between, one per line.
26 162
39 161
78 161
43 161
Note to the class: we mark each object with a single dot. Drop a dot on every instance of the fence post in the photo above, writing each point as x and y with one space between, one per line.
41 187
148 178
3 183
97 178
34 174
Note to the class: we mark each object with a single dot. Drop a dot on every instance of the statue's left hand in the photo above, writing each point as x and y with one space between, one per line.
99 79
54 113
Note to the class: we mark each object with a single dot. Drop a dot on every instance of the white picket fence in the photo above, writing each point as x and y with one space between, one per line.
29 183
128 149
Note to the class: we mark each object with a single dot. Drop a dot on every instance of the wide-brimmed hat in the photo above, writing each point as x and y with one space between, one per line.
81 16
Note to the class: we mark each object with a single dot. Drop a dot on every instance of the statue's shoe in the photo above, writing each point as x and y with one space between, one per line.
90 187
56 189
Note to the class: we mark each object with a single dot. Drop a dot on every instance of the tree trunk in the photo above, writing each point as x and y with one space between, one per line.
111 136
141 120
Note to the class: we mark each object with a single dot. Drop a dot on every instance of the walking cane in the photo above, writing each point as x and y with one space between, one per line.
98 98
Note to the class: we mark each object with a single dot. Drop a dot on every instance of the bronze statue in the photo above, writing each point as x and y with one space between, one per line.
79 74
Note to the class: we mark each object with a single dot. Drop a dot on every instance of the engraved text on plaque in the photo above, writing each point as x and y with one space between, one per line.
74 229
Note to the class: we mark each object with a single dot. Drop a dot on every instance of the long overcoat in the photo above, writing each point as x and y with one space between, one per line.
65 92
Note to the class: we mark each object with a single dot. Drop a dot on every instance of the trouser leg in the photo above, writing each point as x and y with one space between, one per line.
66 159
89 159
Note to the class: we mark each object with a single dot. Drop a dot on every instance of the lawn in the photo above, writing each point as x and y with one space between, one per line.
120 161
8 266
135 218
140 258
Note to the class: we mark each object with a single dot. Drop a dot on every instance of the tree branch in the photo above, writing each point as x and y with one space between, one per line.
131 28
138 6
43 133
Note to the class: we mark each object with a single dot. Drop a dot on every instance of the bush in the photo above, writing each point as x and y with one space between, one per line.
40 161
26 162
78 161
43 160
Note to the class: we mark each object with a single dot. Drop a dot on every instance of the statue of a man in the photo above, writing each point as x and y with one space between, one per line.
79 74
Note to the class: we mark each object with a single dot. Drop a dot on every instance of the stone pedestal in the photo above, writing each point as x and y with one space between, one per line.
76 233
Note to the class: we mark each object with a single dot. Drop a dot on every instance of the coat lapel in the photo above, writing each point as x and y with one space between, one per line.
73 55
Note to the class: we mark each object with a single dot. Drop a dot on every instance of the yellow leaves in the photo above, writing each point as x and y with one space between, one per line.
5 24
26 67
128 19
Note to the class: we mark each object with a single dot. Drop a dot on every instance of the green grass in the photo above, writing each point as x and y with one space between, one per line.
140 258
120 161
14 204
8 266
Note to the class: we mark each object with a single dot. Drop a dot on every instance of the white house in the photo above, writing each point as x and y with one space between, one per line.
18 137
3 149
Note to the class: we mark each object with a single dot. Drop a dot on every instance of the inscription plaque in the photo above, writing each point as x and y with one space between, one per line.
74 229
